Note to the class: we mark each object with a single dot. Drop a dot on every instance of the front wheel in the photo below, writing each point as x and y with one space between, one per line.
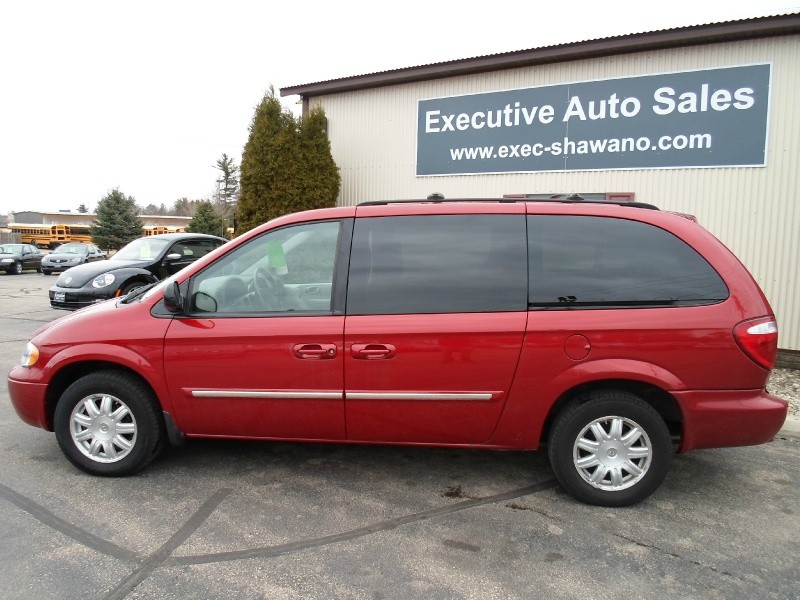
129 287
107 423
610 448
16 268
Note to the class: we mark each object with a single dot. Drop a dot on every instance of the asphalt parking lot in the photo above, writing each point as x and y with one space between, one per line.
231 520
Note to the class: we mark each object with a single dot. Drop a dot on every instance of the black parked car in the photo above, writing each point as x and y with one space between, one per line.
70 255
145 260
16 258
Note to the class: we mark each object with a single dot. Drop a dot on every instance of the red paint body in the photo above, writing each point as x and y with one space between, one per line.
489 379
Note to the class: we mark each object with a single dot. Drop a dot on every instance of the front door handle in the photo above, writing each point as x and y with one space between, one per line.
314 351
372 351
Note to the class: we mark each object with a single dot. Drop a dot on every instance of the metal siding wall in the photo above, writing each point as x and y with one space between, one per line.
754 211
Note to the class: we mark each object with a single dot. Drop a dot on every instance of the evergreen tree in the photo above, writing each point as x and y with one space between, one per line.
206 220
228 182
152 209
286 166
227 189
184 207
117 221
321 180
82 209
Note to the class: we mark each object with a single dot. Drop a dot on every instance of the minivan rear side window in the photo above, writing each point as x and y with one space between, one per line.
598 262
438 264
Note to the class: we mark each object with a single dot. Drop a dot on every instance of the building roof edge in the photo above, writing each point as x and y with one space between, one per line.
759 27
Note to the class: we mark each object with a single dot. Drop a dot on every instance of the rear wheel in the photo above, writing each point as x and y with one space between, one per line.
107 423
610 448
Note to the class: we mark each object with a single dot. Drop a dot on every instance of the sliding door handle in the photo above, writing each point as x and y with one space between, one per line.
372 351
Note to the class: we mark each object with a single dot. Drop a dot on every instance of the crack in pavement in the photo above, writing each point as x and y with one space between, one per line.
627 538
81 536
281 549
25 317
671 554
155 560
162 557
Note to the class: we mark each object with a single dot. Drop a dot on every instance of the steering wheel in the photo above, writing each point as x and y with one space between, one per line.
269 289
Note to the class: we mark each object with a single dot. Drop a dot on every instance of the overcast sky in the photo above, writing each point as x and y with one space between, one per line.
147 95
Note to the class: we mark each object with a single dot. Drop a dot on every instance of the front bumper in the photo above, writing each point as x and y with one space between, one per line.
73 299
719 419
58 267
29 398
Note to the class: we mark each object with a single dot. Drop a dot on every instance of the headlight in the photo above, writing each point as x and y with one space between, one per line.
7 260
102 281
30 355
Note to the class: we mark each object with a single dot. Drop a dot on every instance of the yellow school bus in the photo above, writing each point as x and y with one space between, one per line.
50 236
156 229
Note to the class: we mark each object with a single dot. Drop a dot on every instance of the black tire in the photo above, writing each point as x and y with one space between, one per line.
129 287
120 433
16 268
630 454
46 272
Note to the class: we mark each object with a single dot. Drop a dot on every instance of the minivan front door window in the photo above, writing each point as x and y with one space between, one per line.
284 271
260 351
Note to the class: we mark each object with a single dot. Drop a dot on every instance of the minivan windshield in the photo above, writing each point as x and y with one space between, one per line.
141 249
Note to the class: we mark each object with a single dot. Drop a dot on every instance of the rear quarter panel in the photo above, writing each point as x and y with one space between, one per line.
676 349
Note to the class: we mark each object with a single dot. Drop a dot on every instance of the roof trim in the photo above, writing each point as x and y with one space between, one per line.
761 27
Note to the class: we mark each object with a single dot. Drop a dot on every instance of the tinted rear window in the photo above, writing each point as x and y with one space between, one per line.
579 261
438 264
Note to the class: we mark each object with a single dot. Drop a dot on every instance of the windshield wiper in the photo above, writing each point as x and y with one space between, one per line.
135 293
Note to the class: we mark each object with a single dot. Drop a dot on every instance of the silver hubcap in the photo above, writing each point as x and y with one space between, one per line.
612 453
103 428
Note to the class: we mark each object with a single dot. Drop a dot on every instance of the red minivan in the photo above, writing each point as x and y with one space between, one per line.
612 333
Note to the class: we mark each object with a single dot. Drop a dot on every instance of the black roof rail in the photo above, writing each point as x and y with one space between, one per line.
437 198
577 198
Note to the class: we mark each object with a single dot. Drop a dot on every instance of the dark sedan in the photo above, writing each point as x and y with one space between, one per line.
16 258
70 255
145 260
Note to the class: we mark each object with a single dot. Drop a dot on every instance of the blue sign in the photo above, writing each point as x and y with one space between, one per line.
707 118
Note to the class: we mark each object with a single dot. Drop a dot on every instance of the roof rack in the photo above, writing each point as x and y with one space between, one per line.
437 198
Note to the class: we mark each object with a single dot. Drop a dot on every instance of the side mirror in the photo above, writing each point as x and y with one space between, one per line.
173 300
172 257
205 303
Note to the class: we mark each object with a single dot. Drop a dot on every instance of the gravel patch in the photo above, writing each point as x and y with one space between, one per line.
785 383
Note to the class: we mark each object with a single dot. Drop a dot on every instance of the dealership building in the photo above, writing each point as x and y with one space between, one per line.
703 120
